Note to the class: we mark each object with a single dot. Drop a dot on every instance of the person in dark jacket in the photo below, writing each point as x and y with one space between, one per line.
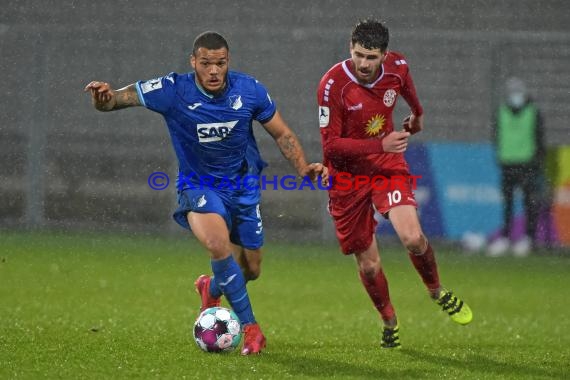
518 140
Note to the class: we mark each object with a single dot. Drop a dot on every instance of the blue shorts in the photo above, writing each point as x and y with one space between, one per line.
240 210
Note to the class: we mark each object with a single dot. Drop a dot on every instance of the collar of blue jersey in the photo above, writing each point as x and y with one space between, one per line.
206 93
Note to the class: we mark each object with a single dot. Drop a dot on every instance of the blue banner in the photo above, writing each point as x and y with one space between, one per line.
467 185
426 196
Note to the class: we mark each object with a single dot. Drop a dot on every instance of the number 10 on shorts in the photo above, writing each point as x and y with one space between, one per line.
394 197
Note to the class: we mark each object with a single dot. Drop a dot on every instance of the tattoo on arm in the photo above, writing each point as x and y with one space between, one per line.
126 97
291 149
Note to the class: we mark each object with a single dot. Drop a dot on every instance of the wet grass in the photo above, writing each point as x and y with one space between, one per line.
112 307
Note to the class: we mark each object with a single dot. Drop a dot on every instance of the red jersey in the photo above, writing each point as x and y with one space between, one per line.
354 117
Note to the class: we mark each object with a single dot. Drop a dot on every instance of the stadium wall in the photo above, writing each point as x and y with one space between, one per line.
64 165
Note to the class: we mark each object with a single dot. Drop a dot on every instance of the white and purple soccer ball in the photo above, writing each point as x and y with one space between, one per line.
217 329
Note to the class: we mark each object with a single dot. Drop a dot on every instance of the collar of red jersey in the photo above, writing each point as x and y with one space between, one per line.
348 70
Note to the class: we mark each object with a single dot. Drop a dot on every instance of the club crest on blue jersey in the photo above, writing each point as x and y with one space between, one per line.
235 102
212 132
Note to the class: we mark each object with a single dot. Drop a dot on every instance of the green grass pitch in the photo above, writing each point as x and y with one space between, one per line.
114 307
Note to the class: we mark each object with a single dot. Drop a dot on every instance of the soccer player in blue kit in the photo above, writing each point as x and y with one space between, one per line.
209 113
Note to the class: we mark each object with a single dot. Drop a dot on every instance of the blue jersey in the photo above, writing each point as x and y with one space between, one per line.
212 135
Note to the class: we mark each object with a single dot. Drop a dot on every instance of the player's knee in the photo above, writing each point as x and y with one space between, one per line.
370 272
413 241
219 247
368 263
369 268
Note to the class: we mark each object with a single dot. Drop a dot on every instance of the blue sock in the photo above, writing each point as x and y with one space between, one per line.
215 290
229 278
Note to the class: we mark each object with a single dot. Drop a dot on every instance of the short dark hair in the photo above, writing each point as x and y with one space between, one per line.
209 40
371 34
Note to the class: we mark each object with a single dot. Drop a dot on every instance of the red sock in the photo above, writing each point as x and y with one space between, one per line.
427 267
377 289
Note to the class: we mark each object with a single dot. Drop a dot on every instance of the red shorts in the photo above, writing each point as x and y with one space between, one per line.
353 211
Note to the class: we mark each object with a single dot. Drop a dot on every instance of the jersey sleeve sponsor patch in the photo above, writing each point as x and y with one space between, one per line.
324 114
151 85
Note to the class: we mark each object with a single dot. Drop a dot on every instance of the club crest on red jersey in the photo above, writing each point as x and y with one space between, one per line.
389 98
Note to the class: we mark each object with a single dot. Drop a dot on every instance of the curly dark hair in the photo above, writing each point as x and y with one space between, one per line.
371 34
209 40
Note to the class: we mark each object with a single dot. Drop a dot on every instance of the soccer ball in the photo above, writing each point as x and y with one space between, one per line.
217 329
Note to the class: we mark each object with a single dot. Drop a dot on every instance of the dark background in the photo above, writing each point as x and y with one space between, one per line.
64 165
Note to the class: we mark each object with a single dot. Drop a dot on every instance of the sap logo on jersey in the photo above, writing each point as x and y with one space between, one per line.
215 131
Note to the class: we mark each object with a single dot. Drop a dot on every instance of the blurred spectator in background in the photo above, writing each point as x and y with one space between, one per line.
518 140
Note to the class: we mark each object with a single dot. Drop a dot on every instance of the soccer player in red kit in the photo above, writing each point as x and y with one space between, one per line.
356 99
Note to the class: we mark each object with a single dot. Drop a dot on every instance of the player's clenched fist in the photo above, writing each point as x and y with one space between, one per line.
316 170
102 95
413 124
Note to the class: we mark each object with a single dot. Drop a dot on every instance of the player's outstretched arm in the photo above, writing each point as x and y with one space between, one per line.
104 98
291 148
